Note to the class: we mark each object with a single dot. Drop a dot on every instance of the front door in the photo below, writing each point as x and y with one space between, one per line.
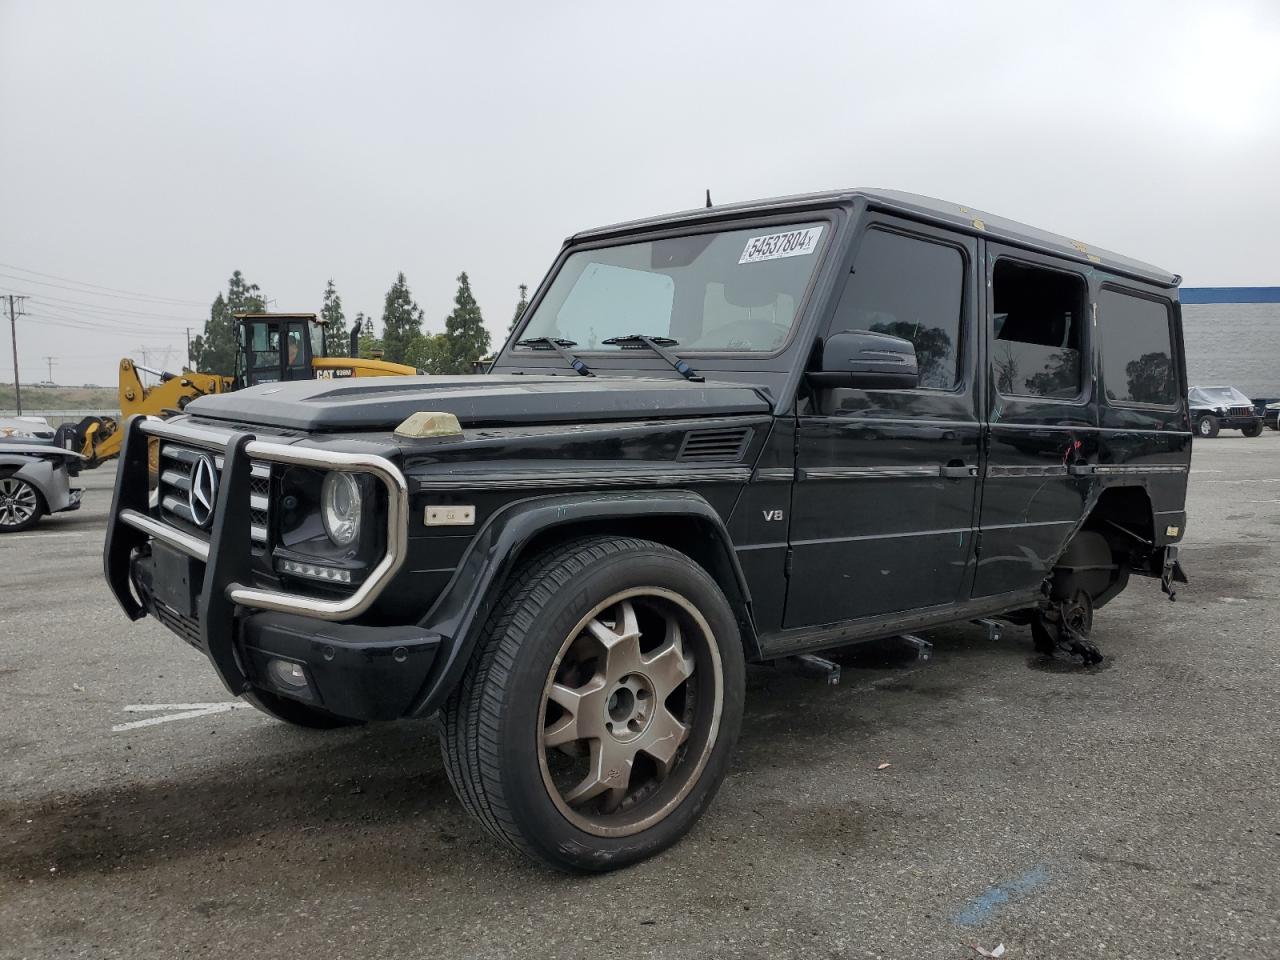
882 516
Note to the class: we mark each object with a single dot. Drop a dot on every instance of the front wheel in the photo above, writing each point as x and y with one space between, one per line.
1252 430
597 716
1207 426
21 505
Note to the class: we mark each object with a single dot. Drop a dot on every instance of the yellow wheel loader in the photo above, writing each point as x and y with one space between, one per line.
270 347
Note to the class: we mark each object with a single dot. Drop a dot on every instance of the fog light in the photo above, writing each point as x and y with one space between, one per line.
315 571
287 674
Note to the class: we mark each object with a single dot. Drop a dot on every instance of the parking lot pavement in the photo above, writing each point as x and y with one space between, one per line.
1128 811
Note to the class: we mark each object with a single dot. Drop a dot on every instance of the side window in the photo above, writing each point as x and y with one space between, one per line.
911 289
1038 315
1137 349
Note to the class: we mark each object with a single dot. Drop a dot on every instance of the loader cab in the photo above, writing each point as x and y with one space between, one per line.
272 347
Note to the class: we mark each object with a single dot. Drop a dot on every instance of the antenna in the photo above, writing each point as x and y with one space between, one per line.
708 196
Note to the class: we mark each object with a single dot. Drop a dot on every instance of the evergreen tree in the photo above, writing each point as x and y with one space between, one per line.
214 351
521 305
370 343
467 339
401 322
336 340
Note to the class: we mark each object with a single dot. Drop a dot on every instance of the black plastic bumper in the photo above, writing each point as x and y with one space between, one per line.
1238 423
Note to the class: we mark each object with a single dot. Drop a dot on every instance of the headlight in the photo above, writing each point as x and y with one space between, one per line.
340 508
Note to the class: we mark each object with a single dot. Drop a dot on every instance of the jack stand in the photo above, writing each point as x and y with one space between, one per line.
993 629
816 668
922 647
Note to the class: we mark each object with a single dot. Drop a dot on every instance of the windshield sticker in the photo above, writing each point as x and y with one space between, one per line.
775 246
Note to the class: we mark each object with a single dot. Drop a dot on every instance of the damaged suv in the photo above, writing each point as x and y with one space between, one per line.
739 434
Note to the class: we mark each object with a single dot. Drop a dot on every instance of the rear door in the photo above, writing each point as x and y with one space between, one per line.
1042 414
882 512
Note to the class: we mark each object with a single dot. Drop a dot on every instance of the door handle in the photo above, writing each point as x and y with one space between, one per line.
958 470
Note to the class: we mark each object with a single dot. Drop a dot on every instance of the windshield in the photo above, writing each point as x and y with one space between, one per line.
734 290
1222 396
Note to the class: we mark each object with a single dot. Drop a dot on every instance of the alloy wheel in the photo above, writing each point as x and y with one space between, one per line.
630 711
18 502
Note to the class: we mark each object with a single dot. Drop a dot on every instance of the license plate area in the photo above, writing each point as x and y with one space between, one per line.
176 579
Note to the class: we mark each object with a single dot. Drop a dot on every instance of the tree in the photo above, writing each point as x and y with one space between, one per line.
1151 379
466 338
370 343
430 353
335 323
521 306
214 351
401 322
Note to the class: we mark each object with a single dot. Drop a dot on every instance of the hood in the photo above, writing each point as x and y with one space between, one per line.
381 403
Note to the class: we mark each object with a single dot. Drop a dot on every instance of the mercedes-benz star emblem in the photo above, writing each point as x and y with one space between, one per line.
204 491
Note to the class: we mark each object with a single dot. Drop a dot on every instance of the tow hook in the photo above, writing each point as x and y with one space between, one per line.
1172 573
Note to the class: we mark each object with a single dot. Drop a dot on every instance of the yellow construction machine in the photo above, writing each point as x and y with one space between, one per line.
270 347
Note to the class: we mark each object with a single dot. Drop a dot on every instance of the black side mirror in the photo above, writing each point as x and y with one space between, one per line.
868 361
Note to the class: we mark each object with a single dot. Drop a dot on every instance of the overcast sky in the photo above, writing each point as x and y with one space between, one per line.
155 147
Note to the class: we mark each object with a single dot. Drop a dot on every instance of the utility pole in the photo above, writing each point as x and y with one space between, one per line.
50 361
189 348
15 311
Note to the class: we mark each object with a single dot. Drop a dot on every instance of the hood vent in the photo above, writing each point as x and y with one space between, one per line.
715 444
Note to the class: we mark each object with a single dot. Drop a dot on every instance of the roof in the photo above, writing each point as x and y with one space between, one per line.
953 215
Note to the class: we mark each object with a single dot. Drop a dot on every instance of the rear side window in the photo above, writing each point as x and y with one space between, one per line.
1137 349
911 289
1038 315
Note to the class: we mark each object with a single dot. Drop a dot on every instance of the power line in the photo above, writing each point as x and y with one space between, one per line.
159 301
85 283
99 308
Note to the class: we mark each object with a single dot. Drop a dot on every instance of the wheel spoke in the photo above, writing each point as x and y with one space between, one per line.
621 641
609 773
667 666
583 717
663 739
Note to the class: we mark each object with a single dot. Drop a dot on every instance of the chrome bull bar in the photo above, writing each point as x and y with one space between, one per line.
382 469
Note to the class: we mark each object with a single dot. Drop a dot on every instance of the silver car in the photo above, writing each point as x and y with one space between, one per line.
35 474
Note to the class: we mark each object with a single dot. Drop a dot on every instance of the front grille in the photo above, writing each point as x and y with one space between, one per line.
715 444
1240 412
176 465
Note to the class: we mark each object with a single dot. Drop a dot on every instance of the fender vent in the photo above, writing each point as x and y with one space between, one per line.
715 444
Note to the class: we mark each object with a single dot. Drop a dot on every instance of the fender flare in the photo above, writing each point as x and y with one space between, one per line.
460 612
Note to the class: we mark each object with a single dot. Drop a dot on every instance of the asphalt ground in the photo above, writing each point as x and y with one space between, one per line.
1127 811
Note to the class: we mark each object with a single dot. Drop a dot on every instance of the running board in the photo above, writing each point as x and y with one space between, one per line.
784 643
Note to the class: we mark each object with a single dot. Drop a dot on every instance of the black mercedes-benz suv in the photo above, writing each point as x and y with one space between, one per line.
738 434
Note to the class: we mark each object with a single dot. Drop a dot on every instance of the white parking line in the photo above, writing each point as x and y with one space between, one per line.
44 536
185 711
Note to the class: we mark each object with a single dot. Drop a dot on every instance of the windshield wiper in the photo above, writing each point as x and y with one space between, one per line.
656 344
560 347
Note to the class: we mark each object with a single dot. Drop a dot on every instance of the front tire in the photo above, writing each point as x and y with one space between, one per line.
1207 426
599 711
1252 430
21 505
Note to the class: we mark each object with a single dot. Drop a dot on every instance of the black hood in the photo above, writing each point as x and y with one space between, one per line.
371 403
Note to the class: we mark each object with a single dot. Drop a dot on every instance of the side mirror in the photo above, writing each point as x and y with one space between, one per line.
867 360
